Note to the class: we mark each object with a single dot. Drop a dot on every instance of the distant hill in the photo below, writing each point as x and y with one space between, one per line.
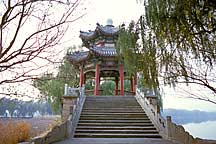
185 116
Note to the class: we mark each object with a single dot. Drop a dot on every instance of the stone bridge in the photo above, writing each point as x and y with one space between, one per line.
130 119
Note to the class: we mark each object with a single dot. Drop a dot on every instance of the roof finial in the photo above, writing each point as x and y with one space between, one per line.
109 22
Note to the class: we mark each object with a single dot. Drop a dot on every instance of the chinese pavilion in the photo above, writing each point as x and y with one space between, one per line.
101 60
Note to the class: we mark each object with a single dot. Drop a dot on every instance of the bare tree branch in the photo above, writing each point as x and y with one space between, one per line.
19 47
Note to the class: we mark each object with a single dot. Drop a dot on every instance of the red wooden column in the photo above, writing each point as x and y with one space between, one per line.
97 80
84 79
121 72
116 85
131 83
135 83
81 77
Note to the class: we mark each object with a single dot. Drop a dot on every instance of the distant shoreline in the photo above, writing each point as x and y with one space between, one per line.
180 116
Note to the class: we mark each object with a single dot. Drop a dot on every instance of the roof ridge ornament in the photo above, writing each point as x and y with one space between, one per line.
109 22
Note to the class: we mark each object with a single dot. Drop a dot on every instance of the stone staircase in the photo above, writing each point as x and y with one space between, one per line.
114 117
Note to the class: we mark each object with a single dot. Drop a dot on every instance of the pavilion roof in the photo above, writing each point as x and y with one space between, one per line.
104 47
80 56
108 30
105 51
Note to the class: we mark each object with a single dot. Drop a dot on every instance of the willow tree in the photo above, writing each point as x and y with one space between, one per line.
184 38
177 44
140 56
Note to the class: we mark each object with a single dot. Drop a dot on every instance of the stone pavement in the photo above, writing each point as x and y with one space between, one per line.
114 141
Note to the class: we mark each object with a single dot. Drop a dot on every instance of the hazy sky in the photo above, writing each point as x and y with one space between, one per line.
98 11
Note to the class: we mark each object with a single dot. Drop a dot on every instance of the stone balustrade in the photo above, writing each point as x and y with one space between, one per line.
167 129
72 107
152 112
177 133
70 99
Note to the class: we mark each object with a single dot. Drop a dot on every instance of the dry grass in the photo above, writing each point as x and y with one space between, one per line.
14 132
18 130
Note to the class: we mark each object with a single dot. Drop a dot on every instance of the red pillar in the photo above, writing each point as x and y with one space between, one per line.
97 80
135 83
116 86
121 71
84 79
131 83
81 77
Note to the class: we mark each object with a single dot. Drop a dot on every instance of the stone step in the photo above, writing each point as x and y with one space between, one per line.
111 105
112 118
116 128
116 116
117 131
115 141
113 114
111 108
112 135
115 124
116 121
97 97
114 105
110 100
108 106
113 111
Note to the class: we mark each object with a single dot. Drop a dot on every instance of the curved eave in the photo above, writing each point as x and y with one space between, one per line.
108 30
88 35
77 57
104 51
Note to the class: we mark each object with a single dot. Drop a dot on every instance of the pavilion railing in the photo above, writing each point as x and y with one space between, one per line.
91 92
68 91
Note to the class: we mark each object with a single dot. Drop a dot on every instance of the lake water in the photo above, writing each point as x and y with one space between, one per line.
205 130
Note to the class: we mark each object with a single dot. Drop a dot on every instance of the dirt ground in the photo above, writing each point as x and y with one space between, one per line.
39 125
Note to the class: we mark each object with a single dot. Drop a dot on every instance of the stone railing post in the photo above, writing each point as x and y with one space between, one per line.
69 100
66 89
169 127
69 103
